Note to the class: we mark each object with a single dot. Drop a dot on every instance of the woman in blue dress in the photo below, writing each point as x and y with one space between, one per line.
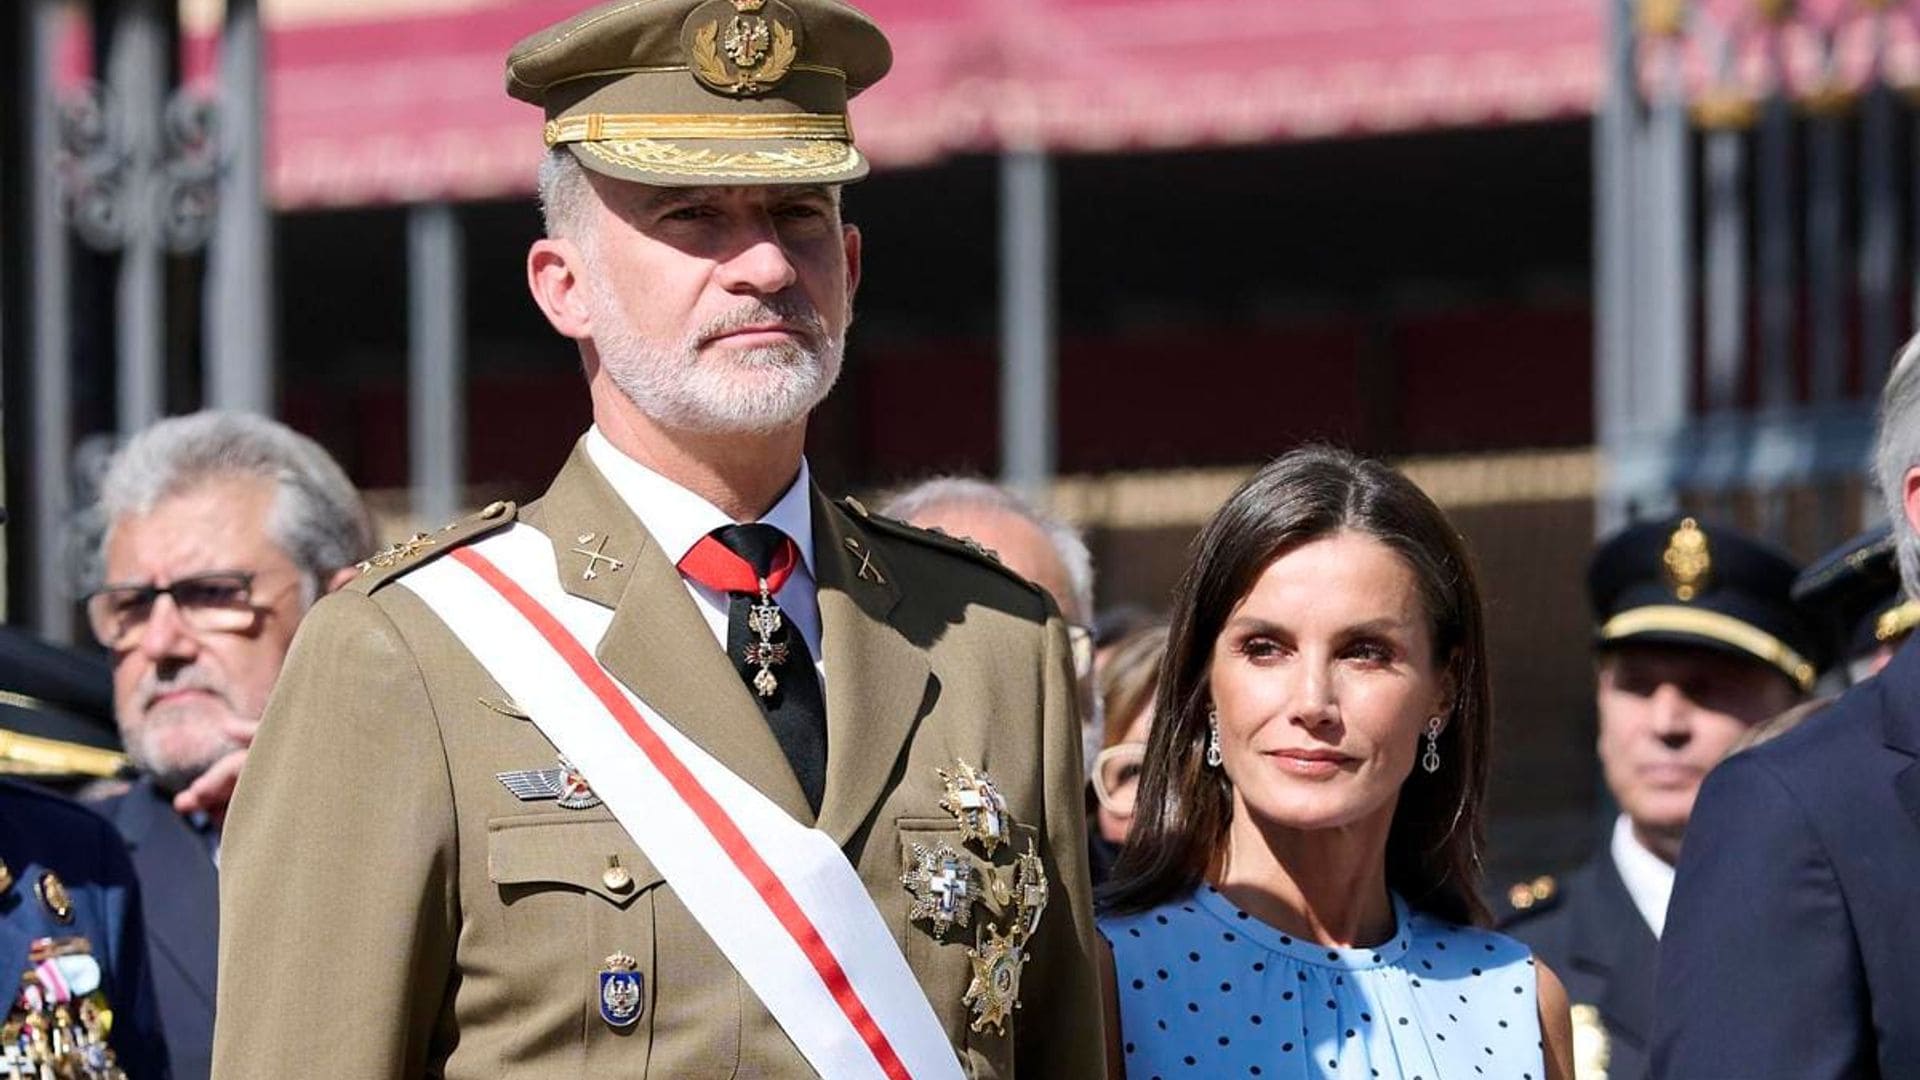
1297 896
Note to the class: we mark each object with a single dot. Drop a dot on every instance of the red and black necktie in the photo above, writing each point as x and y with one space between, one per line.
750 563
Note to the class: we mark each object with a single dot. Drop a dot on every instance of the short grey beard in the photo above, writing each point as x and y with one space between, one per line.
673 387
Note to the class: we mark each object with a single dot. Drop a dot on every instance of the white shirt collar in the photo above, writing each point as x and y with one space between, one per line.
677 518
1648 877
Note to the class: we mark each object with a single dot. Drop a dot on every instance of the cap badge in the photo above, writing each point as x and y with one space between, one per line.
742 47
621 999
944 885
979 807
1688 562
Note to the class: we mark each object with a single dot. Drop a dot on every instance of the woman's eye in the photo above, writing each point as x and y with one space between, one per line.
1372 652
1260 648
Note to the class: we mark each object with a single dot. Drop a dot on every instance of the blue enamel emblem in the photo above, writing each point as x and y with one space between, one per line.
622 997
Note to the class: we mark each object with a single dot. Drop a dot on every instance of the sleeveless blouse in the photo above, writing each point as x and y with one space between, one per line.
1206 990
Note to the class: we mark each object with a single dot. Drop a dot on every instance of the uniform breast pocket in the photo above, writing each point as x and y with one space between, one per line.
595 955
961 898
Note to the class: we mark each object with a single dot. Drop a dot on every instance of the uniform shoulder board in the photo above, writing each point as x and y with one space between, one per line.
940 539
420 548
1533 896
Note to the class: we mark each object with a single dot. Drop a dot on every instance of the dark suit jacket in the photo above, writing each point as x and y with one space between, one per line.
41 833
1790 944
1593 937
180 897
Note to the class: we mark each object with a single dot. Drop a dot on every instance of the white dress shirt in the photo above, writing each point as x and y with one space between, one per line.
1648 877
677 518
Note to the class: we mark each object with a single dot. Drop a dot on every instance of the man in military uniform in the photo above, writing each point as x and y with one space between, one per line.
1698 641
446 856
79 1004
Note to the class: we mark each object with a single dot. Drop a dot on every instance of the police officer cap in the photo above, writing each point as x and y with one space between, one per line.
1684 582
683 93
1855 591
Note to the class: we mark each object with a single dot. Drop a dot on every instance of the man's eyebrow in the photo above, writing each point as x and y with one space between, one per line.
671 198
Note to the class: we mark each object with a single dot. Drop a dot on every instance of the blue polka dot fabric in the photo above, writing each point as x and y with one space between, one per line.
1206 990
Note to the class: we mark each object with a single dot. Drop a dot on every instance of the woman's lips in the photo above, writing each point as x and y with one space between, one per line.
1311 763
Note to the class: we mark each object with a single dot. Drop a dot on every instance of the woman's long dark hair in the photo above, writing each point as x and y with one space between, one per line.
1181 816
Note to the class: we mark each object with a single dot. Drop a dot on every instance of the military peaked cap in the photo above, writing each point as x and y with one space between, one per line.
1684 582
683 93
1855 591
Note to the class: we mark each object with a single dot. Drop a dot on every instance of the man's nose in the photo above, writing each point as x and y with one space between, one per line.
166 633
1672 714
760 264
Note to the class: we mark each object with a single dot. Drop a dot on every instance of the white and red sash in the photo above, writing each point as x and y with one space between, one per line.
778 898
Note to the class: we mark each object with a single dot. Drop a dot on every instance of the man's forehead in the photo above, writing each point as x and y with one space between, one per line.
219 524
648 196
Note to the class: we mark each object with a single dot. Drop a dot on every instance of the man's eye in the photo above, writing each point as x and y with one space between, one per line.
130 601
211 593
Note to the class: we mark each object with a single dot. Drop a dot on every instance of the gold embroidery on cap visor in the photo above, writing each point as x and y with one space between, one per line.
602 127
823 162
1896 622
1672 618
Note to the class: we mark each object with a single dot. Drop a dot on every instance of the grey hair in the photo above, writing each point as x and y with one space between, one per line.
1896 451
969 491
318 519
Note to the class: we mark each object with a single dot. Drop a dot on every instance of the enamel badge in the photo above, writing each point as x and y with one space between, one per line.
1029 893
564 785
995 990
979 807
944 885
622 987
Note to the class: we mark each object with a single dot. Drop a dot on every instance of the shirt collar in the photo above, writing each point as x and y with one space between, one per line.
1648 877
677 518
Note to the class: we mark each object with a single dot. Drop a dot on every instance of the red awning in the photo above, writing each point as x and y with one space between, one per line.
411 107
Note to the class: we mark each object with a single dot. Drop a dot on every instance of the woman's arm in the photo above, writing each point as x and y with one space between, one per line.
1110 1000
1556 1024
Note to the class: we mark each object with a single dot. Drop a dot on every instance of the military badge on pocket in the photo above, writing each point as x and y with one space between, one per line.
622 991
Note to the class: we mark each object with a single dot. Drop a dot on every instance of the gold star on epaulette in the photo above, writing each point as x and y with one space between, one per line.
406 549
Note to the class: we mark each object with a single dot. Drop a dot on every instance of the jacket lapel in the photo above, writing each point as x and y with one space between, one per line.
877 680
1898 685
659 645
182 906
1617 939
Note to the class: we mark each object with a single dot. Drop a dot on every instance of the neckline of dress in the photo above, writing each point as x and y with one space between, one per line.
1276 940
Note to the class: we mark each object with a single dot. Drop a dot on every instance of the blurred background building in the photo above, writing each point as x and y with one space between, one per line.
1565 260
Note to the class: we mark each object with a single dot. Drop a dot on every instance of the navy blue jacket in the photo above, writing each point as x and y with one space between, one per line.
1790 947
180 892
40 832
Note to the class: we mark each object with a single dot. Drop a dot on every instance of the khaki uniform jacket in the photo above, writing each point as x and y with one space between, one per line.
390 909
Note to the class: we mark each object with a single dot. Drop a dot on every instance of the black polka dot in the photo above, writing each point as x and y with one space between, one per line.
1240 915
1331 955
1503 1023
1332 1004
1366 1018
1488 1049
1476 971
1193 1006
1441 945
1134 931
1139 984
1162 974
1228 936
1416 983
1439 1036
1129 1048
1253 1070
1302 975
1162 1023
1332 1064
1259 965
1285 940
1226 988
1194 956
1376 958
1286 1047
1489 946
1224 1040
1255 1019
1428 964
1517 990
1188 1059
1351 1033
1188 908
1286 995
1161 919
1403 1021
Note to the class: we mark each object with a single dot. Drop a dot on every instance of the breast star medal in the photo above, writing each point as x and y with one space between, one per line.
979 807
622 987
995 990
945 886
763 618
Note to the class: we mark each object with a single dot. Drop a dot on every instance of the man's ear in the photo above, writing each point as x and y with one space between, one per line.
554 277
1911 499
341 577
850 237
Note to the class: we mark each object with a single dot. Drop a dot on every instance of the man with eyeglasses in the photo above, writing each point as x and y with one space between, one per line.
220 530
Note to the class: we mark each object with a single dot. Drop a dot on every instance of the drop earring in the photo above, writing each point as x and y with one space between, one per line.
1430 761
1213 738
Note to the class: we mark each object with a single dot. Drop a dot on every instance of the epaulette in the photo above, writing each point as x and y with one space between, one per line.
422 548
970 549
1535 896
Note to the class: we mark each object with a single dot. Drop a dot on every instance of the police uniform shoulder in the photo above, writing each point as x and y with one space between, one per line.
964 548
421 548
1528 899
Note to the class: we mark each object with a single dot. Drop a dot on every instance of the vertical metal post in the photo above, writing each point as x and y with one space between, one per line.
137 79
1027 414
49 301
1614 236
1879 234
1726 267
436 390
1826 259
1663 372
239 299
1778 295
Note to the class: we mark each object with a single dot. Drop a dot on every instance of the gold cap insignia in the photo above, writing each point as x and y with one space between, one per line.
741 47
1688 562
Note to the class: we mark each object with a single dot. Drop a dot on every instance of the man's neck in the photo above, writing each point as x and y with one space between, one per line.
741 474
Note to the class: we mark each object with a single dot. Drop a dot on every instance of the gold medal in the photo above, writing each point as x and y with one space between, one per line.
945 886
1030 894
995 990
979 807
53 893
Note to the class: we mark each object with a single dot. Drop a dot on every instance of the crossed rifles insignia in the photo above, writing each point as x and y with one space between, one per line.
947 882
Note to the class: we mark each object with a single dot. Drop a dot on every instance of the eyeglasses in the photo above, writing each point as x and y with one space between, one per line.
219 601
1080 640
1116 776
